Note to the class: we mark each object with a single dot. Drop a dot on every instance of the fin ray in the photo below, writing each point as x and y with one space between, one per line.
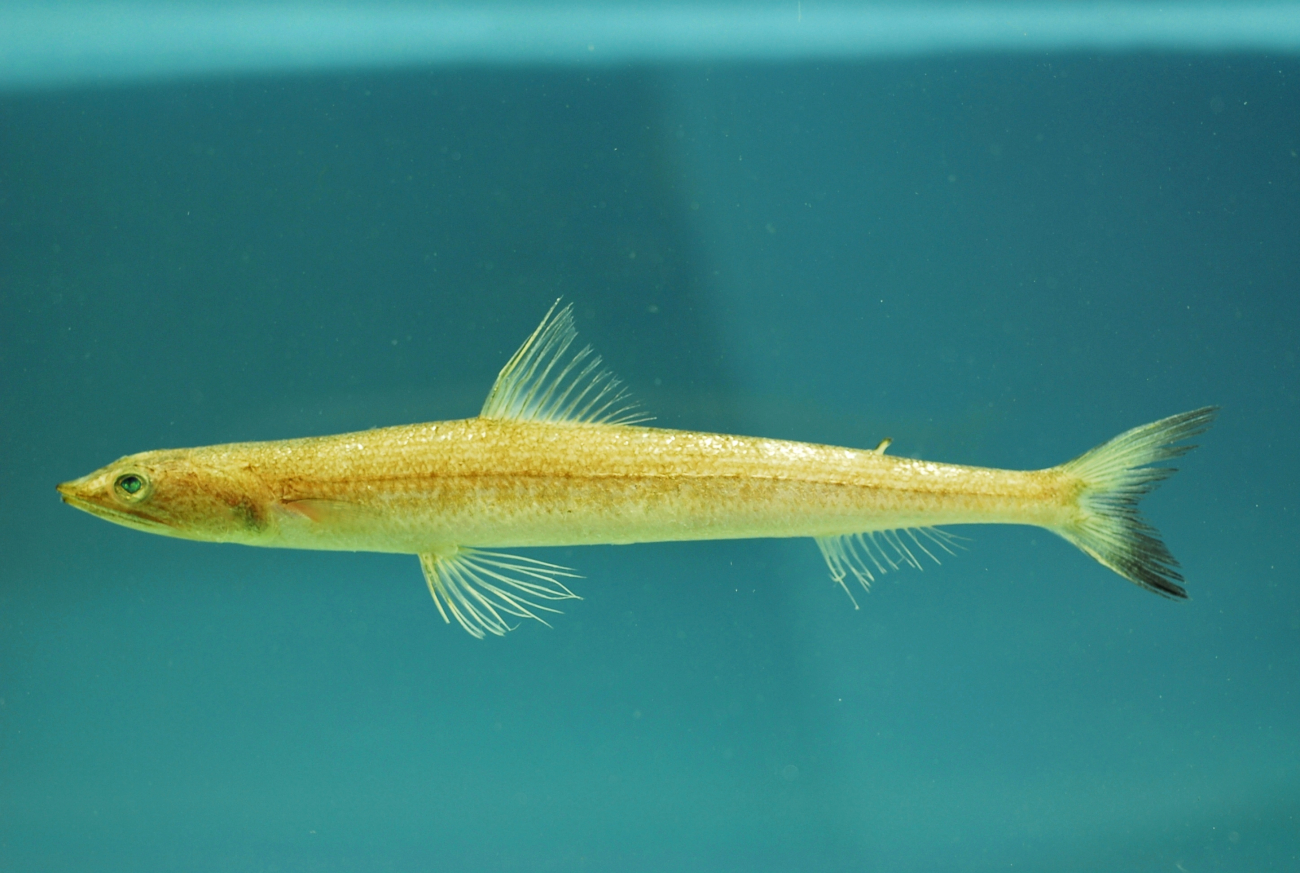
867 554
1113 478
540 383
481 590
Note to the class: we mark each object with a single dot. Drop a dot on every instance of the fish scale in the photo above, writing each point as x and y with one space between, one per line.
560 456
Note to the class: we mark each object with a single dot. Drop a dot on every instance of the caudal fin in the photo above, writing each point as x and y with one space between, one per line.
1115 476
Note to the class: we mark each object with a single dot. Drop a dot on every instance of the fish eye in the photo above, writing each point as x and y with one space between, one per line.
129 484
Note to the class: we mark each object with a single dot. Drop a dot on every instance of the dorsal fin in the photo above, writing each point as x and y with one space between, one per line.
542 383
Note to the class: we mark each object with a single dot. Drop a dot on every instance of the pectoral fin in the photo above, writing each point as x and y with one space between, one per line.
479 589
318 510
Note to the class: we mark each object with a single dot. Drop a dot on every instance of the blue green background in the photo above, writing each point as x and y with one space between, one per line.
993 261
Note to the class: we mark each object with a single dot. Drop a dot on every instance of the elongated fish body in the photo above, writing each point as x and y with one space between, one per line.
558 457
505 484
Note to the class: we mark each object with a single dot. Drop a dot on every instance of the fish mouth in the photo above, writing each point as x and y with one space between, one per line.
68 493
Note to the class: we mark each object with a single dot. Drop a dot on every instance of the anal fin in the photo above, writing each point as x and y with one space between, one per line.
870 553
481 589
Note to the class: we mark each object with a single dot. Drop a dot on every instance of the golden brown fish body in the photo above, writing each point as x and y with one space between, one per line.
555 460
503 484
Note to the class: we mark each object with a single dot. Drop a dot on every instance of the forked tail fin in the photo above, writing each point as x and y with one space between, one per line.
1115 476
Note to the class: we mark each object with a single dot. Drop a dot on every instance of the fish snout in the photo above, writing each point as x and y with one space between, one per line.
74 492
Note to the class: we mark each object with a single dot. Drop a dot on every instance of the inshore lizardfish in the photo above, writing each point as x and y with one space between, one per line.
559 456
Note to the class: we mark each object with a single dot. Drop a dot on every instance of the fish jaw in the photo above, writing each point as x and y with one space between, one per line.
165 493
92 494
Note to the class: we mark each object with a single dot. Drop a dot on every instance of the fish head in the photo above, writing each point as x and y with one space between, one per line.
170 493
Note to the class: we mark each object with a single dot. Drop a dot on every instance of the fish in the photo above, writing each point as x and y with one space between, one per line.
561 455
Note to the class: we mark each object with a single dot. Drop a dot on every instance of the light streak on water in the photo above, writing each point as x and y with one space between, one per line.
70 44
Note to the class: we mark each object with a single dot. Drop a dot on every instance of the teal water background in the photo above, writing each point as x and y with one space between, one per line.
996 261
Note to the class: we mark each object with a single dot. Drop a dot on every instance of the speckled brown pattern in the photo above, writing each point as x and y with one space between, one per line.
500 483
